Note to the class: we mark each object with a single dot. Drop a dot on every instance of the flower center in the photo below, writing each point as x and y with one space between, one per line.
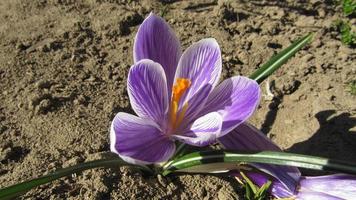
175 118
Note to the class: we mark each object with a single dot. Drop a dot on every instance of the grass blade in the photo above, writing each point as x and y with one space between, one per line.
18 189
267 157
279 59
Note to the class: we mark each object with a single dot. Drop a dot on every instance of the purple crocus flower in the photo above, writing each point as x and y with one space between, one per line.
176 96
287 182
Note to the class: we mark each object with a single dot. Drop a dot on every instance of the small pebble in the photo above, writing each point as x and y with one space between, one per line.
44 106
162 180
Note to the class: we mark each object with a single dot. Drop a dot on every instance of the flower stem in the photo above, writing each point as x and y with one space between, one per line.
15 190
180 150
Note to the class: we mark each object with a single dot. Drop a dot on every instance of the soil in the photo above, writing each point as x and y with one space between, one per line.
63 69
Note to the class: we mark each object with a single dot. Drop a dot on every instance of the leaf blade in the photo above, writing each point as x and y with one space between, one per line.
20 188
279 59
266 157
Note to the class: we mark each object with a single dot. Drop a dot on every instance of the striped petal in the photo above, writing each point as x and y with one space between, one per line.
235 99
316 195
339 186
146 86
201 64
203 131
156 41
139 141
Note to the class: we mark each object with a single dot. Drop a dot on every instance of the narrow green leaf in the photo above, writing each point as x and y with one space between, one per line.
279 59
268 157
262 192
249 183
248 192
164 10
18 189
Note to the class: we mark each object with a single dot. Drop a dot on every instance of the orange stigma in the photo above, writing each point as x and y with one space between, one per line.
178 90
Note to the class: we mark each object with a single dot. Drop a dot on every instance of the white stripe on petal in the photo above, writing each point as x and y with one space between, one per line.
146 86
203 131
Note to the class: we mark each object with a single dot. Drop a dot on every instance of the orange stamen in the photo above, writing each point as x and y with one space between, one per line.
178 90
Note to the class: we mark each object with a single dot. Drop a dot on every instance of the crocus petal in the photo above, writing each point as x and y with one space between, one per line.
201 64
139 141
146 86
307 195
203 131
337 185
247 138
156 41
235 99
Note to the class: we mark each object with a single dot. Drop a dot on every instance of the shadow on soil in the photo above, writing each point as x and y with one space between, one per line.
333 139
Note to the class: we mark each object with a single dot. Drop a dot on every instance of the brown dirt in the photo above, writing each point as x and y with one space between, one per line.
63 68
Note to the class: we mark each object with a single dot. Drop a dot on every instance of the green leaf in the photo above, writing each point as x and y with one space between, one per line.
164 10
279 59
248 192
347 36
199 159
249 183
18 189
352 87
349 7
262 191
